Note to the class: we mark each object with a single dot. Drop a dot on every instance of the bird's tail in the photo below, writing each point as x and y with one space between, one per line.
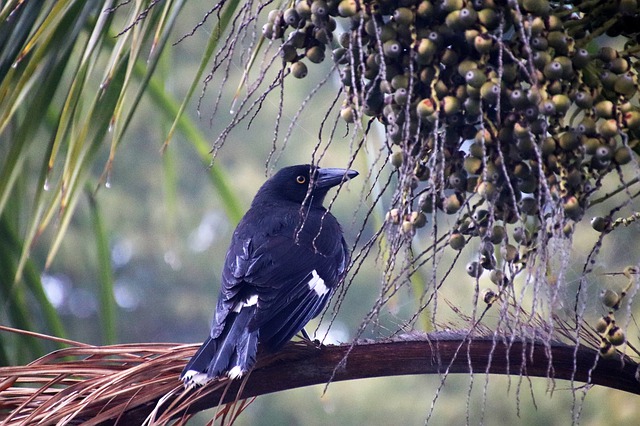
233 352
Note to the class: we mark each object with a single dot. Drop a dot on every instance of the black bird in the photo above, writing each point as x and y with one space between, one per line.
286 258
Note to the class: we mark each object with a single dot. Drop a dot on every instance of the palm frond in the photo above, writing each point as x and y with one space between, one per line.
136 383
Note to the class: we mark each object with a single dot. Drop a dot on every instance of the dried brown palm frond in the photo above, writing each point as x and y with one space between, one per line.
112 385
138 383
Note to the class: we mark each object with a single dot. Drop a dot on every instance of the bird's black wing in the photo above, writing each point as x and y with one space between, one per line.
293 272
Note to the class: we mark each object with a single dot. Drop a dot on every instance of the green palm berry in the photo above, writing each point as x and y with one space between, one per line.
509 253
548 146
418 219
288 53
521 130
521 170
490 92
472 165
267 31
407 227
541 59
498 234
607 350
631 120
622 155
608 128
403 16
528 206
604 153
619 65
348 8
574 178
518 99
489 18
304 9
393 216
348 114
547 108
590 145
340 56
425 108
426 49
400 81
299 69
581 58
628 7
497 277
387 32
604 109
425 9
468 17
521 235
315 54
553 70
397 158
583 100
291 17
603 324
567 67
400 96
465 66
471 106
392 49
475 78
625 85
297 39
474 269
452 203
600 224
561 102
319 8
450 105
449 57
554 23
539 43
451 5
486 190
536 7
572 208
559 41
616 336
537 25
470 35
458 180
457 241
568 141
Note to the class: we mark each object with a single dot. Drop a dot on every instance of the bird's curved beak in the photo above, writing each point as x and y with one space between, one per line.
328 177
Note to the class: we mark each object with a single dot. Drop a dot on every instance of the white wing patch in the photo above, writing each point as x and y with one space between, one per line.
317 284
252 300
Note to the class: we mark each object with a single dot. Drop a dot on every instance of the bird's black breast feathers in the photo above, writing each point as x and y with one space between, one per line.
291 258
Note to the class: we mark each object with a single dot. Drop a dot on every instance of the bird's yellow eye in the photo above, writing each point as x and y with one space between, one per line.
301 179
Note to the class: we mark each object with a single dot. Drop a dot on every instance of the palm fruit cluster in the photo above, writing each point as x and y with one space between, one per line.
512 101
610 334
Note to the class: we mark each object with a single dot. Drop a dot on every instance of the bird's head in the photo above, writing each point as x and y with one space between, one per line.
293 184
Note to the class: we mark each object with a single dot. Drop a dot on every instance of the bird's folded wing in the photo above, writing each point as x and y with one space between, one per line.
293 281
